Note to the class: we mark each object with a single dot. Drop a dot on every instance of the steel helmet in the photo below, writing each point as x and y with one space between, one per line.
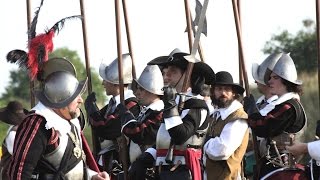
284 68
258 71
56 64
150 79
110 72
59 89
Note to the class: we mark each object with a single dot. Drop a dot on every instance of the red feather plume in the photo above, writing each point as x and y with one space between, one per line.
39 49
39 46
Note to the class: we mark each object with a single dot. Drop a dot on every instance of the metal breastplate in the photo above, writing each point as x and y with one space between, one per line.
134 151
195 140
55 157
163 139
163 142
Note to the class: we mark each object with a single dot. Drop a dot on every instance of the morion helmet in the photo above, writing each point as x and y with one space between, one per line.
258 71
150 79
284 68
110 72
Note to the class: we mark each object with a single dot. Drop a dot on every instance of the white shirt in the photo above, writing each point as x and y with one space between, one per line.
223 146
314 151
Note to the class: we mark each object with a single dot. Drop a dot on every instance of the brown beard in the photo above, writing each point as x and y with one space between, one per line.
221 103
74 114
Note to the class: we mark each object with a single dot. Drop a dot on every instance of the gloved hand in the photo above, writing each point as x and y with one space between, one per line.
139 166
249 105
90 104
124 114
169 100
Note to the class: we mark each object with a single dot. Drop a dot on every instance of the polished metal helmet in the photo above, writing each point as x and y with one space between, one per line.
59 89
258 71
56 64
284 68
110 72
150 79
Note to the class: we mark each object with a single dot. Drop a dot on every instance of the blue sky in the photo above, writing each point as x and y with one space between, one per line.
157 27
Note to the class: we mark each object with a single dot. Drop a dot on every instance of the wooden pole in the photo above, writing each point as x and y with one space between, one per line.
239 35
122 141
31 82
126 20
189 26
95 141
241 80
245 77
85 46
318 43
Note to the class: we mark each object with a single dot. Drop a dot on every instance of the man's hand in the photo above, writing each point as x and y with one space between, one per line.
124 114
90 104
169 97
249 105
101 176
298 148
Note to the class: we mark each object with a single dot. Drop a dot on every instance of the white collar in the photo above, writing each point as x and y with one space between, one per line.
54 120
225 112
271 99
127 94
269 107
156 106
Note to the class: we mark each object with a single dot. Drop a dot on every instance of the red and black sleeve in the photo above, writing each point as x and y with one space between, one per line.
275 122
144 132
30 144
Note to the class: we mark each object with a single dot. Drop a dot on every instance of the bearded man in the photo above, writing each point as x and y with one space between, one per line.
228 134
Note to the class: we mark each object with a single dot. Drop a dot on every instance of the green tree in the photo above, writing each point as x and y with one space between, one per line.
302 46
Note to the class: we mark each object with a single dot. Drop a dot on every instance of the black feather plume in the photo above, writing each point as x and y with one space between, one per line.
19 57
32 30
59 25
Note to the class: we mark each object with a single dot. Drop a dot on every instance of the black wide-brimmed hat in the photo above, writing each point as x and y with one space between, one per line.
203 69
13 113
175 58
225 78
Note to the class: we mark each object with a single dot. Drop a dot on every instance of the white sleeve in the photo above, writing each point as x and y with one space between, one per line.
10 141
175 120
91 173
223 146
314 150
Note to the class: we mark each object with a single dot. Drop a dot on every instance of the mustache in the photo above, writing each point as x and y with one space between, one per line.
222 96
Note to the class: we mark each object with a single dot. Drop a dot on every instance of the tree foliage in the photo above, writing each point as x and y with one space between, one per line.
302 46
19 85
